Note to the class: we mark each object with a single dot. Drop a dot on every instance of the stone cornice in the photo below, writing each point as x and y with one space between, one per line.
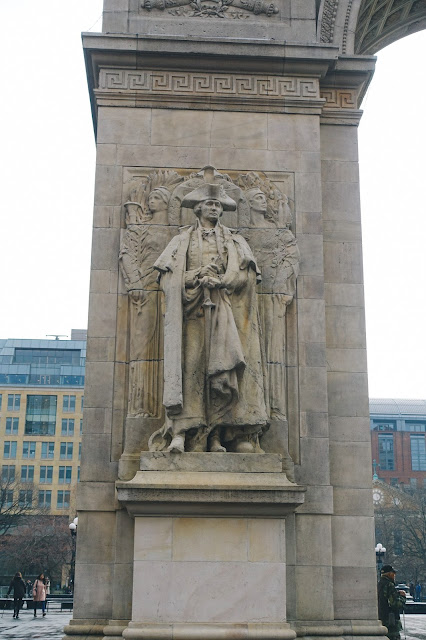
209 493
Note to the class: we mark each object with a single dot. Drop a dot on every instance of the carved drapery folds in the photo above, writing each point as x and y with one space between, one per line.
157 206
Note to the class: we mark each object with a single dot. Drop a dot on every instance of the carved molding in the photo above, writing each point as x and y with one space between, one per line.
339 98
328 20
208 84
346 26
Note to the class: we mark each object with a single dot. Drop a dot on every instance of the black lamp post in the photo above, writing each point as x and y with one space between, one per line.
73 531
380 552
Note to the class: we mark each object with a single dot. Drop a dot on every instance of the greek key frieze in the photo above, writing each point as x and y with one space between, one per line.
179 83
339 98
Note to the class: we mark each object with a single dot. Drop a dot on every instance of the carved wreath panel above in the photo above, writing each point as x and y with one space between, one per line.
232 9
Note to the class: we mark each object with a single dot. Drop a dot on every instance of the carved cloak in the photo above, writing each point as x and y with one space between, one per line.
236 368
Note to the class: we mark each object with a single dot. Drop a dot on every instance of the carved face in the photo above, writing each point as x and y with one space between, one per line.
156 202
258 203
209 212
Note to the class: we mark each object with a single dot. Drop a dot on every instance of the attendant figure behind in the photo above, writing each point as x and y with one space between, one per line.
391 602
18 587
39 595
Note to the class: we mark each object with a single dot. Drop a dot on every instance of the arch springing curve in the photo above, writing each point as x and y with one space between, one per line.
381 22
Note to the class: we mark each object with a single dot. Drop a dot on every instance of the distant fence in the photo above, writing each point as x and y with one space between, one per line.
53 603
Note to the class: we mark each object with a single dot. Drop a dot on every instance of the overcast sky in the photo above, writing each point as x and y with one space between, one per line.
47 177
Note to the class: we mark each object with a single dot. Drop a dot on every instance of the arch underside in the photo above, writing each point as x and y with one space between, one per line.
381 22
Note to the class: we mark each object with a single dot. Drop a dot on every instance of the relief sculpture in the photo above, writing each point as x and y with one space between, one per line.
278 258
211 300
147 234
213 8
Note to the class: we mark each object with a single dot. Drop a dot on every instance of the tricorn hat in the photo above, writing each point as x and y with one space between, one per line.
388 568
209 192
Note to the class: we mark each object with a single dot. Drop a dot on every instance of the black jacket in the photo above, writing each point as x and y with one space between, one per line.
19 588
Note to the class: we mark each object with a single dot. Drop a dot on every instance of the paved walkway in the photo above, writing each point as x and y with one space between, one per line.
51 627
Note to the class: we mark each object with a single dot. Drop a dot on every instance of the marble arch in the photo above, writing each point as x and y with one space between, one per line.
268 534
366 26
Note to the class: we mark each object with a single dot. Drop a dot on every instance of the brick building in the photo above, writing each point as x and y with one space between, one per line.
398 431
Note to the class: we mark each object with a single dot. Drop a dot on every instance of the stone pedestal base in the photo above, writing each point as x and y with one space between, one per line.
139 631
209 546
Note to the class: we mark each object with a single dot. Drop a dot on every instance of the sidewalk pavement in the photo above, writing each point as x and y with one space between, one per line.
51 627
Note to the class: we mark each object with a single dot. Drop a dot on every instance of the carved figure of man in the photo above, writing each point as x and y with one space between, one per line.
214 378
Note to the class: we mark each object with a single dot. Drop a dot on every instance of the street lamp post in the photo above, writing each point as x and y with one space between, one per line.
380 552
73 531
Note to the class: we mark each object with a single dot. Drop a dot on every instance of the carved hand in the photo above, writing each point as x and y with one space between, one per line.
209 270
210 282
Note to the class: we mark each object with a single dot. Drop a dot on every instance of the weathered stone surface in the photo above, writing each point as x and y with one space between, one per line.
210 552
216 462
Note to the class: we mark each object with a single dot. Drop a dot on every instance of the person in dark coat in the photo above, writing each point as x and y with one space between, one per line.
19 589
391 602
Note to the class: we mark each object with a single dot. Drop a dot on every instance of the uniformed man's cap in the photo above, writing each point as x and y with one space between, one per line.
388 568
209 192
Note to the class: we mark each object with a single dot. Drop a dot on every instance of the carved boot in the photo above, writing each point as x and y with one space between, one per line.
177 445
215 445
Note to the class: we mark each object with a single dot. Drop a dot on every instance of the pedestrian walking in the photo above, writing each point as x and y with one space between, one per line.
19 589
418 591
391 602
47 585
39 594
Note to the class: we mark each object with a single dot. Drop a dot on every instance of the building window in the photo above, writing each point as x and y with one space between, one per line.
9 449
82 403
6 499
413 483
394 482
45 499
41 415
26 498
418 453
66 451
63 501
68 404
419 427
28 449
27 473
384 425
79 450
78 474
386 457
397 542
8 473
13 401
47 356
12 426
46 475
65 474
81 426
47 450
67 428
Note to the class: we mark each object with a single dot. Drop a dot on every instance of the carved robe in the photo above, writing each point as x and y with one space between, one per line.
141 246
220 384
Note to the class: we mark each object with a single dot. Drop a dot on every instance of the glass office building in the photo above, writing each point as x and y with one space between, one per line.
41 419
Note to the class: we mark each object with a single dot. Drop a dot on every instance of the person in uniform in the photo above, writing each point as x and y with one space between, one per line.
391 602
214 374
